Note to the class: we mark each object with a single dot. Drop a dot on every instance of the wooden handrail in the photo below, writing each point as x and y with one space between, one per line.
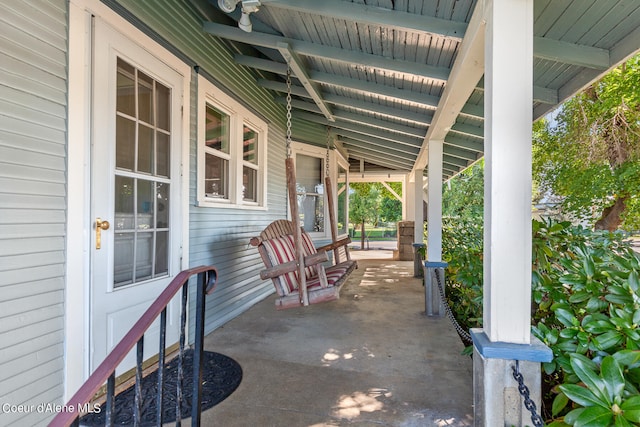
98 378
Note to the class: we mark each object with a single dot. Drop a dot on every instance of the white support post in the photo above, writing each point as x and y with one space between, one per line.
410 199
405 199
418 197
434 203
506 337
507 196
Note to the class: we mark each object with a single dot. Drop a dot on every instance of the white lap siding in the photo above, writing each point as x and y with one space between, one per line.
33 105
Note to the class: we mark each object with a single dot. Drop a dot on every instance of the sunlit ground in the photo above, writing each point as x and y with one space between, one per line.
385 274
351 406
333 355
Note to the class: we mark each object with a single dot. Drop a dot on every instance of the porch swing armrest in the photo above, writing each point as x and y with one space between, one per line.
288 267
334 245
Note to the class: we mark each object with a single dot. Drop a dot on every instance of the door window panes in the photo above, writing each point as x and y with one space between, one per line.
162 154
145 148
126 91
146 111
141 181
125 143
163 106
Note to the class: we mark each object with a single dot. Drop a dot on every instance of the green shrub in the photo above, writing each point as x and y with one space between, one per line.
586 295
585 307
462 243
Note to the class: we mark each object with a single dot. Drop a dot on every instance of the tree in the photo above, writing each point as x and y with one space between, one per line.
463 196
589 154
364 203
390 209
390 206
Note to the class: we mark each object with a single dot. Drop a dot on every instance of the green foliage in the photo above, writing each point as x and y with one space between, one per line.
586 292
463 196
364 203
590 153
586 308
390 209
462 245
383 204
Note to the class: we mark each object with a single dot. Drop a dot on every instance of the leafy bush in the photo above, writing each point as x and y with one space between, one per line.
462 243
585 307
586 292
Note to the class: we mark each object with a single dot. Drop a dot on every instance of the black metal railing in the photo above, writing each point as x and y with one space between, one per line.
106 372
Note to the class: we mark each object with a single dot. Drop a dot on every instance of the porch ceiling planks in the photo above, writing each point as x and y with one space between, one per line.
389 66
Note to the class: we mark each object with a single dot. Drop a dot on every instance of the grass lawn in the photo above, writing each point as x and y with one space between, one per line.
375 233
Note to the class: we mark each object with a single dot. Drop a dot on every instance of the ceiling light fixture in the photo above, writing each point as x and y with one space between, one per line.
228 6
248 7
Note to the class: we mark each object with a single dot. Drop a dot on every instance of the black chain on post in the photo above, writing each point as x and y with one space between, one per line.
464 335
524 392
326 163
288 140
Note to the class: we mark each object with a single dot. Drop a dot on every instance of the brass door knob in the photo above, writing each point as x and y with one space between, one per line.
100 225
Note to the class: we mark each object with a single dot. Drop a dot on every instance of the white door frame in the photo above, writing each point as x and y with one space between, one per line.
79 222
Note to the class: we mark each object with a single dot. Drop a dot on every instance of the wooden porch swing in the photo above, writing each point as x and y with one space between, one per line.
296 267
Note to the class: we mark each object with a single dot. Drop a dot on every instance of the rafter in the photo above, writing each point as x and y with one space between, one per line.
363 129
422 118
460 152
298 70
571 53
543 48
282 87
344 56
360 150
466 144
455 161
399 155
425 102
416 132
365 87
383 143
378 16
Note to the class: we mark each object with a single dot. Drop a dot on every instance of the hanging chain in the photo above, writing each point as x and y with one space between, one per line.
524 392
326 163
288 141
464 335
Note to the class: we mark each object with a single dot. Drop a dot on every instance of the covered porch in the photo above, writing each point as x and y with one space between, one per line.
371 358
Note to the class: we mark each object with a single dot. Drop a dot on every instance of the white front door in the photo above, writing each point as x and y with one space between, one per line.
135 190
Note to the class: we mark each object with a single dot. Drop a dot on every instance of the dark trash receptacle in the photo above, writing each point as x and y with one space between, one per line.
418 257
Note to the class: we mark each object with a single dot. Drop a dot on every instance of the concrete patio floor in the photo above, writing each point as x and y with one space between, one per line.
371 358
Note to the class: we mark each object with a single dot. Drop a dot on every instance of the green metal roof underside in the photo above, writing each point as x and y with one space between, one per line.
375 71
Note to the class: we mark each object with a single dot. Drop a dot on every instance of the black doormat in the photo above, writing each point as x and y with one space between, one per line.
221 375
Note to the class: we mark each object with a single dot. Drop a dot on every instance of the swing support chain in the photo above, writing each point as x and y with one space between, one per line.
326 163
288 140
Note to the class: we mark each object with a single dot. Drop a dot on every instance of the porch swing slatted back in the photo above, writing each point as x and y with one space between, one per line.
295 266
284 266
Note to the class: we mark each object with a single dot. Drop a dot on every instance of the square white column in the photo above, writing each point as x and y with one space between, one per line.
507 207
418 197
434 202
